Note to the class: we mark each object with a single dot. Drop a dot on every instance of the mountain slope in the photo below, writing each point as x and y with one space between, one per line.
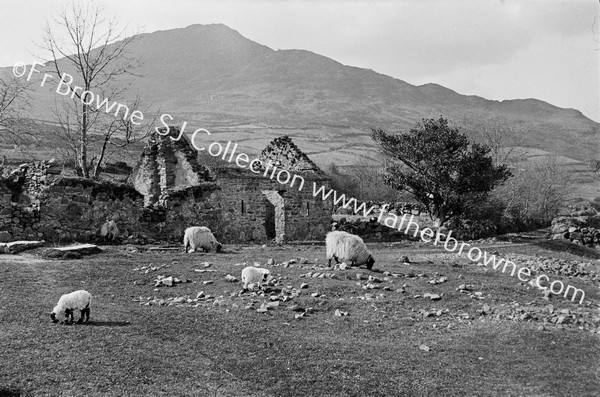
213 77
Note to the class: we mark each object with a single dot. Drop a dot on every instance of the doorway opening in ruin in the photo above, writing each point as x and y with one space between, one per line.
274 215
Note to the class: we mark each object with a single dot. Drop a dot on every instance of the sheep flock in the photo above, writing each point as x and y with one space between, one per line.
340 246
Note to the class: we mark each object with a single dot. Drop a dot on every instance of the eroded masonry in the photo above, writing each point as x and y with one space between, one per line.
168 191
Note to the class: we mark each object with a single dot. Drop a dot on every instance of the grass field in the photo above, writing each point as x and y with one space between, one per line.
223 347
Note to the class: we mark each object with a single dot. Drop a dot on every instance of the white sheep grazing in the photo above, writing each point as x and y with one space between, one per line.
254 275
348 248
78 300
200 237
109 230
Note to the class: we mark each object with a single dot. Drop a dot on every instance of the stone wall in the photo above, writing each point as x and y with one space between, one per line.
185 207
257 209
21 191
168 192
18 222
368 230
579 227
74 209
237 204
463 229
397 208
283 153
165 164
37 203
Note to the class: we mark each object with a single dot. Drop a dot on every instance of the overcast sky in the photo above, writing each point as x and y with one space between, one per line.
546 49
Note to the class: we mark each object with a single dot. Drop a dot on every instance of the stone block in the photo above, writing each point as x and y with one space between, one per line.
5 236
19 246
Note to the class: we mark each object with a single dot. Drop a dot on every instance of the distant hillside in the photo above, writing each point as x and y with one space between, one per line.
213 77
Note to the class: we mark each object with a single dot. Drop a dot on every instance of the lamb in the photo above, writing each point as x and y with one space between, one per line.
348 248
109 230
254 275
197 237
78 300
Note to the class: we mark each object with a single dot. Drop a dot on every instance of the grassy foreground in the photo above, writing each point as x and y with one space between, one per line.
393 342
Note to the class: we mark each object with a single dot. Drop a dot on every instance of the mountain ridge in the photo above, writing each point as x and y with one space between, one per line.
214 76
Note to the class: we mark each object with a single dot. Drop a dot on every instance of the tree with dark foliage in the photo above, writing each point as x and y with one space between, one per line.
438 165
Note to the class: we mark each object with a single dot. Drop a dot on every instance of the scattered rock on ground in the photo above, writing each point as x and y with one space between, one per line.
433 297
339 313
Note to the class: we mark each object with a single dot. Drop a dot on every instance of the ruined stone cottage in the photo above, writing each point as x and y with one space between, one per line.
239 205
168 191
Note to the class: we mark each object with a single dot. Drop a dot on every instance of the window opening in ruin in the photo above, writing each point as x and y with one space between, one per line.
243 208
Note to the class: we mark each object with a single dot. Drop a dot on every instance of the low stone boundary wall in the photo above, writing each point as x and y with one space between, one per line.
580 228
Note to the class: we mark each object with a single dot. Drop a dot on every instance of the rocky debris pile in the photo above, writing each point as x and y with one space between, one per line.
371 296
373 283
586 271
579 227
548 315
150 268
265 299
289 263
272 295
176 300
170 281
583 319
469 290
440 280
318 275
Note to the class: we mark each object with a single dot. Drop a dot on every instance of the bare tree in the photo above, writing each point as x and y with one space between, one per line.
537 189
496 133
94 54
14 99
369 175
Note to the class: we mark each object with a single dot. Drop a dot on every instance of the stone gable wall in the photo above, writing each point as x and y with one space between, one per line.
283 153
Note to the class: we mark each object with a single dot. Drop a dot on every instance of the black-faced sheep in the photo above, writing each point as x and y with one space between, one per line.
348 248
200 237
78 300
254 275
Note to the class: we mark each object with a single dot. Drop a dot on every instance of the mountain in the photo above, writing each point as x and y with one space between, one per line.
214 78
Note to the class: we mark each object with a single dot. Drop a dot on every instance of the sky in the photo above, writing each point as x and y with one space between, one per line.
496 49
